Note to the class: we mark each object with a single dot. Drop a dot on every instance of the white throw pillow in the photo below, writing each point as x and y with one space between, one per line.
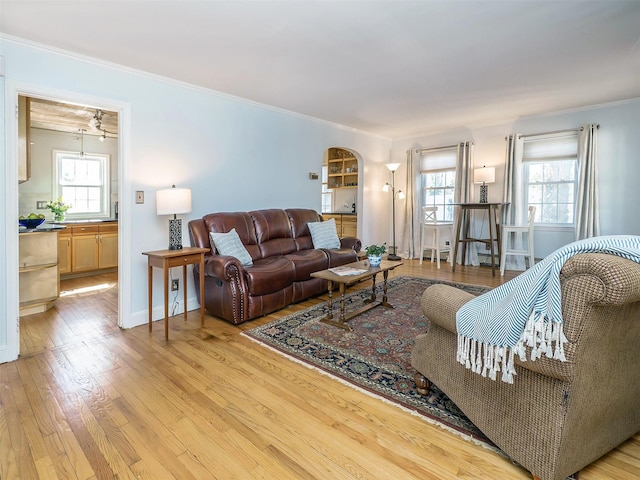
324 234
230 244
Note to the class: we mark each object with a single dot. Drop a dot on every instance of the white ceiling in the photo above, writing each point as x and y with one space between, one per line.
391 67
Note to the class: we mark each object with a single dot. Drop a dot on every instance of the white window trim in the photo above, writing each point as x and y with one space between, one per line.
441 215
540 226
105 208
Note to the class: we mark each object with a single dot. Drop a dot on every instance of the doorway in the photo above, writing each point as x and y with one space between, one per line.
89 302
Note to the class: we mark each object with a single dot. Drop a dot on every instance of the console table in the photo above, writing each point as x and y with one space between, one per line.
462 233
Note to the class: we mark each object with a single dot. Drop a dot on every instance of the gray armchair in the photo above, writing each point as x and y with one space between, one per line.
557 417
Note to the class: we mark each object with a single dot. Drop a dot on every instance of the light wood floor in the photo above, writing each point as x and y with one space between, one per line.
87 400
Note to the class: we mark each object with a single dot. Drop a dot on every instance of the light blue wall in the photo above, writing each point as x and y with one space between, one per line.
235 155
618 153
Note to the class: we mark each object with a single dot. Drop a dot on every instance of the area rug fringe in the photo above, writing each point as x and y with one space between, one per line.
415 413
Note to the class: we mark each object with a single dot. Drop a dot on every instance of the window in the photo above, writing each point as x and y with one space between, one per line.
327 193
550 178
83 182
438 181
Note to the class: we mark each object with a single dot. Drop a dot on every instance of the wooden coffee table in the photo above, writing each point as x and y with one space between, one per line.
361 271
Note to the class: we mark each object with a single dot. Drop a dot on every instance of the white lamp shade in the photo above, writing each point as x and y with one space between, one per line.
173 201
386 187
401 195
484 175
392 166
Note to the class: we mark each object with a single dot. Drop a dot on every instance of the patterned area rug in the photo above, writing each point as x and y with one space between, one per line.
376 356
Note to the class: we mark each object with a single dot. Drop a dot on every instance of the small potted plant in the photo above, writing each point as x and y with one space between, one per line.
374 253
59 209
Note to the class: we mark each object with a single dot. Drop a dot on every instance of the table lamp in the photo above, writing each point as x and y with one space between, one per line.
173 201
483 176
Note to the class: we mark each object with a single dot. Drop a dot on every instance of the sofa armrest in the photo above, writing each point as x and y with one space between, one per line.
618 279
225 267
441 302
351 242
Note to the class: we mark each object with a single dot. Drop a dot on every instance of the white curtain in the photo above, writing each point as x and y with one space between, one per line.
463 194
407 238
513 212
587 204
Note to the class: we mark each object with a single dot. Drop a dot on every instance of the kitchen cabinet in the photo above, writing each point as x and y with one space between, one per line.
24 139
89 247
38 271
64 251
108 245
84 248
349 226
346 223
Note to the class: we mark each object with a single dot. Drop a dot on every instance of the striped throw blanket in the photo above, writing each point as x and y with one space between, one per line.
526 311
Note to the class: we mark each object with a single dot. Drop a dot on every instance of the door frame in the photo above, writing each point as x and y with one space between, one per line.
12 90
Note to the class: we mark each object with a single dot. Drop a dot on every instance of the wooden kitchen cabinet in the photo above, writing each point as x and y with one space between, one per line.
93 246
84 248
346 223
24 139
349 226
64 251
39 281
108 246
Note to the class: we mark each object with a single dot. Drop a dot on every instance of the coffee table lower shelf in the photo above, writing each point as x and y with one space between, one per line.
344 281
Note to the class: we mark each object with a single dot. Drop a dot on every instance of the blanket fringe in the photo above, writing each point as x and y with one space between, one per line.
540 334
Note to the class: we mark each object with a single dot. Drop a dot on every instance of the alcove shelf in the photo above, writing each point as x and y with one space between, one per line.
342 169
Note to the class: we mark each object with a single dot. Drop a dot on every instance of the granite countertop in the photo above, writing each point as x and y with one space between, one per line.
341 213
45 227
87 220
53 226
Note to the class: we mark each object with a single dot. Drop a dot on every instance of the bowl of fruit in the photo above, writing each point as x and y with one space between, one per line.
31 221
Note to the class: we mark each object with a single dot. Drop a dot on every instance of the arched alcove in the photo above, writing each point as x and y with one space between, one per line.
341 174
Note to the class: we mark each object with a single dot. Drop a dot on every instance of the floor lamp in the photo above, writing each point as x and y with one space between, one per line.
392 168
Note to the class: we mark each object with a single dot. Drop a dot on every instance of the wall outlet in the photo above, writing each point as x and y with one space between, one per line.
140 196
175 284
41 205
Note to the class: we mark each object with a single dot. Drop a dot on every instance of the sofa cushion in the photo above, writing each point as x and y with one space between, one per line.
341 256
273 232
308 261
228 243
243 224
269 275
324 234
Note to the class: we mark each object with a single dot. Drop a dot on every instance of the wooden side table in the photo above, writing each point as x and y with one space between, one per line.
166 259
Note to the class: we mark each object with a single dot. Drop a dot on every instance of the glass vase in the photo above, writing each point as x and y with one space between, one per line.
59 216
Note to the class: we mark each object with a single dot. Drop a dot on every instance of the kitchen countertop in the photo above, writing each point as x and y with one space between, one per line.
87 220
53 226
339 213
45 227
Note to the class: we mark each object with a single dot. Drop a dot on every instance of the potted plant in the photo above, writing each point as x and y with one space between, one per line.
59 209
374 253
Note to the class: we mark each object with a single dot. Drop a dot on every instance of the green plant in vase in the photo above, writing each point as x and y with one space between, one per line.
58 208
374 253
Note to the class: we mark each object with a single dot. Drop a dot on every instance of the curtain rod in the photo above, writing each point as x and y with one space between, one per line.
433 149
552 133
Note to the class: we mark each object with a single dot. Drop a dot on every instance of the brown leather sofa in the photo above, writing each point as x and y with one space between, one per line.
557 417
280 245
